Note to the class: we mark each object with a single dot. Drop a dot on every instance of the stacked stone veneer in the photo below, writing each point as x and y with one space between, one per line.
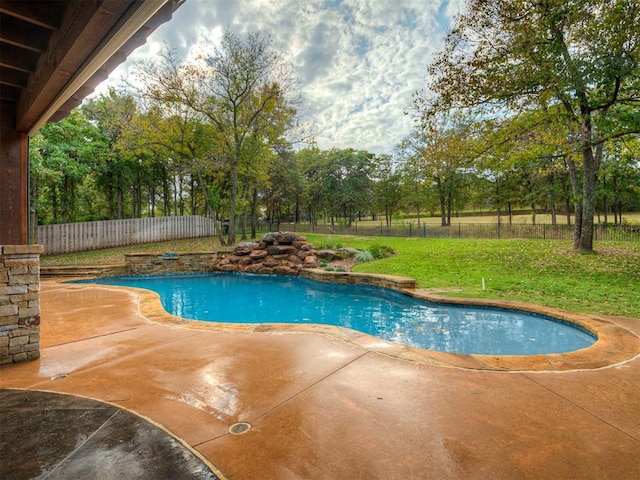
166 263
19 303
282 253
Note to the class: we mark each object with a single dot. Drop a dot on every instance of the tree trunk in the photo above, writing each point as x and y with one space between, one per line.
119 202
54 203
577 204
443 204
254 213
533 214
590 165
231 239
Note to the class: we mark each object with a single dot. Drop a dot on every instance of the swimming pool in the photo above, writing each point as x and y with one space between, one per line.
391 315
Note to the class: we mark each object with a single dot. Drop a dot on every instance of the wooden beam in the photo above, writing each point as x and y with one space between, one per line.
43 14
13 78
83 27
106 30
18 58
24 34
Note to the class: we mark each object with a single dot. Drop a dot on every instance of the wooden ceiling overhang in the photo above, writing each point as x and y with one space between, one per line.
55 53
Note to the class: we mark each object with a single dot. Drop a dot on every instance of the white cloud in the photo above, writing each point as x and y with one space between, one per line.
359 61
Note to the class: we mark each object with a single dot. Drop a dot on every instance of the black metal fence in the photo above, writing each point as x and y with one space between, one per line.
625 233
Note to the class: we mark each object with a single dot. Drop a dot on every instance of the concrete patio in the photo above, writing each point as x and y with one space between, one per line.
322 407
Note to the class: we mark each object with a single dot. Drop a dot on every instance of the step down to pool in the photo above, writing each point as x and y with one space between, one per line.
82 271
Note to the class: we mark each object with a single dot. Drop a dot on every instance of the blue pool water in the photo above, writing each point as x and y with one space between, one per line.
243 298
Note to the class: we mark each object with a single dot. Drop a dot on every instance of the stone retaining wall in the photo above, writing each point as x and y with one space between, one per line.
163 263
392 282
19 303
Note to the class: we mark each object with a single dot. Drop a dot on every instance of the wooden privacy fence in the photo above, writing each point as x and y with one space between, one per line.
78 237
628 233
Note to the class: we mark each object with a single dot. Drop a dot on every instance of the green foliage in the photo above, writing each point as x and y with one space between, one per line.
569 62
381 251
363 256
338 182
243 95
62 156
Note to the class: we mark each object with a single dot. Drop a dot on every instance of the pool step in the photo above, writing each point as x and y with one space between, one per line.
83 271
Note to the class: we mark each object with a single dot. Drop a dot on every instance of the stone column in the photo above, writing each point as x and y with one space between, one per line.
19 303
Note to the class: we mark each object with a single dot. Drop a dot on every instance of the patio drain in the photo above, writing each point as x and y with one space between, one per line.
62 376
239 428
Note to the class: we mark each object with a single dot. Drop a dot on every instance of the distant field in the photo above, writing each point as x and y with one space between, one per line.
633 217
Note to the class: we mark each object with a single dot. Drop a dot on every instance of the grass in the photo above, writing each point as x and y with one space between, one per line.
546 272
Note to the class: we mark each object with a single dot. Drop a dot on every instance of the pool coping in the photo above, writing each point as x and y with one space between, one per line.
614 344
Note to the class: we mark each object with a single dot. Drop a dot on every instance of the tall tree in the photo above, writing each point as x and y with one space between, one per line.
346 182
64 154
113 114
387 190
236 85
441 147
519 55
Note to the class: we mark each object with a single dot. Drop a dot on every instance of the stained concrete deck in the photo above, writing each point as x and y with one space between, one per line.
321 407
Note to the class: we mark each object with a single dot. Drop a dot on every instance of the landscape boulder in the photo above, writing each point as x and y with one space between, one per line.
281 253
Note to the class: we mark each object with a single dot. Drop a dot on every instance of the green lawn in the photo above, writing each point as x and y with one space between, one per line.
545 272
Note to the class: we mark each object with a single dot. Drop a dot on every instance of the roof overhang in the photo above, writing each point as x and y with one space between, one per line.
56 53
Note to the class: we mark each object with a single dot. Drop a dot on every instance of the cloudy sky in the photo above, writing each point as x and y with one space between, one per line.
358 61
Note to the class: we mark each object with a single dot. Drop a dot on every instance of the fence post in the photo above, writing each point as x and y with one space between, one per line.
410 230
459 231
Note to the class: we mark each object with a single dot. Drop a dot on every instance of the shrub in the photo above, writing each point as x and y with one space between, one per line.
381 251
363 256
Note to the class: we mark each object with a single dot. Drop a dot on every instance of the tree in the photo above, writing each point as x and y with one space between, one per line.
441 147
346 183
416 191
237 85
619 179
521 55
387 191
63 155
113 114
